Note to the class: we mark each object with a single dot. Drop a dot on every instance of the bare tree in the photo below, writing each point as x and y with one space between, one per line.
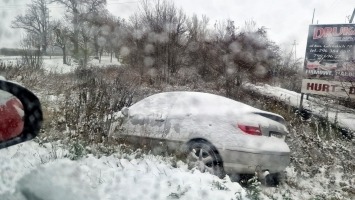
86 36
114 38
199 46
246 54
72 7
134 48
104 26
61 38
167 26
36 22
111 33
31 57
76 10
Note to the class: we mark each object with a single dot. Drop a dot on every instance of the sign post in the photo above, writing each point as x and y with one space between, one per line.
301 106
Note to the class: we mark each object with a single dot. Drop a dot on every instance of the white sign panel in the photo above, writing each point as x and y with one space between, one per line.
329 88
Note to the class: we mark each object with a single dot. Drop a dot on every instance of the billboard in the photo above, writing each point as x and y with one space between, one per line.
330 58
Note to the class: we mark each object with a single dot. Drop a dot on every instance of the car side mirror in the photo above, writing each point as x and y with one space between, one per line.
124 111
20 114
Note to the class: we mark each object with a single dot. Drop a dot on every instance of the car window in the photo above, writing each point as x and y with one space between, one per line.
158 105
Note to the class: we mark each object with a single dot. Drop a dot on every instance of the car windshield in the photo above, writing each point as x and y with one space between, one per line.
177 99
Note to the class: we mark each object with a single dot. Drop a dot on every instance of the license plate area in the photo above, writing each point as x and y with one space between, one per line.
276 134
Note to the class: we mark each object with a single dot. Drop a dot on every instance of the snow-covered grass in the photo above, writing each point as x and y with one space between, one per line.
45 171
343 116
322 161
321 186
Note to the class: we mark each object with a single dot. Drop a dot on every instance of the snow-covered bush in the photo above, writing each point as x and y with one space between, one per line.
253 188
92 100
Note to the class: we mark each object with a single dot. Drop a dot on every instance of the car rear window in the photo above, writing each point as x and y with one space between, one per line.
272 117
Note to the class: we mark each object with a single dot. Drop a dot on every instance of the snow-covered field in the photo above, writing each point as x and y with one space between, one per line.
55 63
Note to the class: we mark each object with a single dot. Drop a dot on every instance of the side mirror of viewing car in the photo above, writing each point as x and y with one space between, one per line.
124 111
20 114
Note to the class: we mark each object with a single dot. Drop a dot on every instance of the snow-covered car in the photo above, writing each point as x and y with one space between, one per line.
219 134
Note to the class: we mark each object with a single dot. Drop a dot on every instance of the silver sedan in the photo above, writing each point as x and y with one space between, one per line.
219 134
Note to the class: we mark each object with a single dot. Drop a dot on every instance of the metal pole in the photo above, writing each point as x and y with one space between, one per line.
314 10
295 51
301 106
352 17
294 46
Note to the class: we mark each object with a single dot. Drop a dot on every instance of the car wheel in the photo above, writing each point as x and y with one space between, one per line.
272 180
205 158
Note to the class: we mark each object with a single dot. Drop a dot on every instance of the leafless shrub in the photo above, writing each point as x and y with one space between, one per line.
10 70
22 73
90 104
32 59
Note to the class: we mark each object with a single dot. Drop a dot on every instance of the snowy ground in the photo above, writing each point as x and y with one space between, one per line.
44 171
344 117
55 63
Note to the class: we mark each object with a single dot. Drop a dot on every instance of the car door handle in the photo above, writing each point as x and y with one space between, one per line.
160 120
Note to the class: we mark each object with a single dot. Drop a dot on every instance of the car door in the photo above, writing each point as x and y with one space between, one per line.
148 118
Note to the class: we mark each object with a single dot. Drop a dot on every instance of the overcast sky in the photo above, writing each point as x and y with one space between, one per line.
285 20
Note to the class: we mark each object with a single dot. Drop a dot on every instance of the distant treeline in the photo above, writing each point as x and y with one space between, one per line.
22 52
14 52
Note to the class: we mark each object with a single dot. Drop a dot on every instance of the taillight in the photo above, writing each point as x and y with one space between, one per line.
251 130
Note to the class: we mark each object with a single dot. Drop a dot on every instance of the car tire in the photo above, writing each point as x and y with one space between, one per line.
204 157
273 180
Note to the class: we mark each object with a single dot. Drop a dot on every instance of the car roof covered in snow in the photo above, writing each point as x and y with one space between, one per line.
192 102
